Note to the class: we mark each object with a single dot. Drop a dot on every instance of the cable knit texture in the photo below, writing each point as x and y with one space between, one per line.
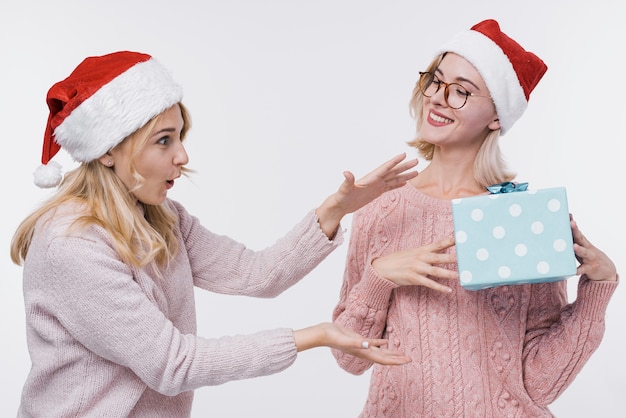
109 340
508 351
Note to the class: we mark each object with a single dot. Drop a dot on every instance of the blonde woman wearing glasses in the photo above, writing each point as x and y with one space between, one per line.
508 351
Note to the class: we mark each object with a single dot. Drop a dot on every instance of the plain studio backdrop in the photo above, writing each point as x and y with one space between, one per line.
285 96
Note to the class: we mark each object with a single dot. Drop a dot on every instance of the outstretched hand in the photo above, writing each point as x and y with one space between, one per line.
335 336
353 194
593 263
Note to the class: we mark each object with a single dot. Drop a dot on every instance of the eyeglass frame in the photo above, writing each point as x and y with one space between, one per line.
446 91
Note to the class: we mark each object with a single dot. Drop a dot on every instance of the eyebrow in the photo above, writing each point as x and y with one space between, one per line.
164 130
460 79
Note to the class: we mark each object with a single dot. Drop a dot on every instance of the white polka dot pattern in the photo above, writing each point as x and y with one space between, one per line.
513 238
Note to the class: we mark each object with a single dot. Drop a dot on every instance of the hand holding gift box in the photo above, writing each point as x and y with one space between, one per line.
514 236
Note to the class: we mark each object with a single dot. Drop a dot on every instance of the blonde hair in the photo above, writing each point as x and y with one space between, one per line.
489 165
139 238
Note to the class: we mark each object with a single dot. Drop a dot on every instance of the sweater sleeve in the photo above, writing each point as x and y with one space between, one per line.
364 296
561 337
222 265
95 303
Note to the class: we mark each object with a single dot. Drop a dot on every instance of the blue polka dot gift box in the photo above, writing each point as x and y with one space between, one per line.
513 236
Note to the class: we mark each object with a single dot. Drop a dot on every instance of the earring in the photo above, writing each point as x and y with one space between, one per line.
110 163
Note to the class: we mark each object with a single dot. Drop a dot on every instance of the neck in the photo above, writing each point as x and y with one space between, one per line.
448 178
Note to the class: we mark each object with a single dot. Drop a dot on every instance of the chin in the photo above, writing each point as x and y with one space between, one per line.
153 201
159 201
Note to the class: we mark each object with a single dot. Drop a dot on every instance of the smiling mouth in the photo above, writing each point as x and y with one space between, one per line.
439 119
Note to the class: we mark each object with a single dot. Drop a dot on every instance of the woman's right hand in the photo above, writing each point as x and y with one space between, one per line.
416 266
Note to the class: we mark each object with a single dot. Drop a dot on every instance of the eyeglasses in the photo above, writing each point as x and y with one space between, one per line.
430 84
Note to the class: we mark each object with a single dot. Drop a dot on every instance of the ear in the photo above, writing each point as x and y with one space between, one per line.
494 125
106 160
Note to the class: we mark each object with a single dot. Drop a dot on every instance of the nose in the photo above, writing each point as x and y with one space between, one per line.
440 96
180 156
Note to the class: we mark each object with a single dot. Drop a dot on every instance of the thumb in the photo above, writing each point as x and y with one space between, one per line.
349 178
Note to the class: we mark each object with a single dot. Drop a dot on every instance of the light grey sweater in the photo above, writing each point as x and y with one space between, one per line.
110 340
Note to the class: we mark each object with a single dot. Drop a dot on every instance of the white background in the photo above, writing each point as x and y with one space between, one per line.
285 95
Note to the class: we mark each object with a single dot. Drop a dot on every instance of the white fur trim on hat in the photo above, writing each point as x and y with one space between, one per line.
497 72
116 110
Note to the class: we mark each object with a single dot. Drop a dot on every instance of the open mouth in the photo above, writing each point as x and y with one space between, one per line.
439 119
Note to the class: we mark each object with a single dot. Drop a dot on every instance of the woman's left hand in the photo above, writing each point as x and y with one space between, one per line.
593 263
329 334
353 194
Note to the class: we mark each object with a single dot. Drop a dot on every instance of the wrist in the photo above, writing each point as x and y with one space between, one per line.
611 279
329 216
310 337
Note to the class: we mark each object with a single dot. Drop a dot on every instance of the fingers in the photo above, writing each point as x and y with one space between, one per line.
372 349
388 358
576 233
397 175
400 180
435 254
595 264
579 237
383 170
442 273
425 279
579 252
400 168
442 244
582 246
421 266
436 286
393 168
390 164
372 342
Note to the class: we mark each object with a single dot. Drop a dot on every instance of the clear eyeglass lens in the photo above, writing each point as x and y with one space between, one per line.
457 95
454 94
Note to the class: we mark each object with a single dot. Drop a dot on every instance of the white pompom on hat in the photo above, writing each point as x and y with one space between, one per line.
104 100
510 72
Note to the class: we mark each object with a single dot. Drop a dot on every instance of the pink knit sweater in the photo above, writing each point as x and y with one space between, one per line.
111 340
503 352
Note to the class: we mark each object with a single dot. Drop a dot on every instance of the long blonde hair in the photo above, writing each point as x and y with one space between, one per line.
139 238
489 165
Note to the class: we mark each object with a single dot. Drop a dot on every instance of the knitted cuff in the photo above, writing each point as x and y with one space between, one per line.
593 297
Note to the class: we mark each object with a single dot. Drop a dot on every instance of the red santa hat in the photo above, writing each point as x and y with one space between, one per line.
104 100
510 72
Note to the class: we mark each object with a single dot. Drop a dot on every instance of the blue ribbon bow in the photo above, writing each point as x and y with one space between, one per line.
507 187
